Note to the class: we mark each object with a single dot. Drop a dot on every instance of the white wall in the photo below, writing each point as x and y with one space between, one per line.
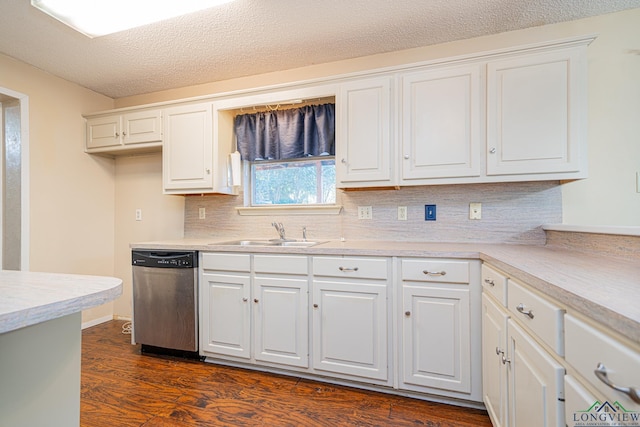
71 193
139 186
608 196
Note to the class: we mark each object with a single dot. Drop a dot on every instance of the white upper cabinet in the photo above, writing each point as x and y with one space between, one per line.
364 154
441 115
124 133
193 161
536 114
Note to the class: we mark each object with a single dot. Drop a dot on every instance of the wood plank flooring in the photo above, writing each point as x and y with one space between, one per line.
121 387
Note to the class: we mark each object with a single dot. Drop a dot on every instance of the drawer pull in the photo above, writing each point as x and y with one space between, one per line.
520 309
434 273
256 300
632 392
489 282
245 299
346 269
407 313
505 360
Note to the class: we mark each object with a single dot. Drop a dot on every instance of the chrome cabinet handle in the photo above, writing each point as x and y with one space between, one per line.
208 171
493 150
343 161
520 309
434 273
489 282
348 268
632 392
406 157
245 299
503 358
117 134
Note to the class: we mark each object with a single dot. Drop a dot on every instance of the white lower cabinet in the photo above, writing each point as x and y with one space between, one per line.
536 392
257 314
439 342
494 372
523 383
225 303
333 316
350 317
281 312
436 347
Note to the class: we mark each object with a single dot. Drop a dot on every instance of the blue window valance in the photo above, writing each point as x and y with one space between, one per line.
287 134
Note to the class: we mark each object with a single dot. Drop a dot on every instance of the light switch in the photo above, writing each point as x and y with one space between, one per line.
138 214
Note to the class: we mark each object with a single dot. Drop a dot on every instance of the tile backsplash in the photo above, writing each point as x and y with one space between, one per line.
511 213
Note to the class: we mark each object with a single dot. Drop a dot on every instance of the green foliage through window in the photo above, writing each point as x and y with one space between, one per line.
294 182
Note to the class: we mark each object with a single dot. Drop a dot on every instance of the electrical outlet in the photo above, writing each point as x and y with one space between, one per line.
202 214
475 210
429 212
138 214
402 213
365 212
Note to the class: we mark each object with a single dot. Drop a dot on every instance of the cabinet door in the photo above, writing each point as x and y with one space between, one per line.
281 321
104 132
188 148
364 150
436 344
536 393
536 113
441 132
350 328
226 323
494 373
142 127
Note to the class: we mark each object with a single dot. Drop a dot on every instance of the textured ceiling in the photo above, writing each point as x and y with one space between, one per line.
250 37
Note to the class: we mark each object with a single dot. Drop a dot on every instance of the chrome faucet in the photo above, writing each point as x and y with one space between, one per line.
280 228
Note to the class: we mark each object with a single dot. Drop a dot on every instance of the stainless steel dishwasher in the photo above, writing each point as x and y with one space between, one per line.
165 301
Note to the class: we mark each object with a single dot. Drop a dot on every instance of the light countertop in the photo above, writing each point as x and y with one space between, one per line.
29 298
605 289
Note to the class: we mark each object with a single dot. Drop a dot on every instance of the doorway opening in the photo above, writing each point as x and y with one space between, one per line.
14 218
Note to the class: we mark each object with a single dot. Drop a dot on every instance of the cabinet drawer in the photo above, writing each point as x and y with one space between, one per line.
352 267
435 270
542 317
280 264
494 283
226 262
586 347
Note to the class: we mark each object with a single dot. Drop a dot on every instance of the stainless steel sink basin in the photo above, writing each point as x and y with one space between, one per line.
270 243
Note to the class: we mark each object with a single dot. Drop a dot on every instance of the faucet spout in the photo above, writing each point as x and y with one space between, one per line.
280 228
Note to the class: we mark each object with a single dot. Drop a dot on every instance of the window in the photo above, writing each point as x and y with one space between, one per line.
307 181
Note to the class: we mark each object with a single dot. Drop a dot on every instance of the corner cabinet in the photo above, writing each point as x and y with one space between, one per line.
364 131
440 325
126 133
536 113
192 161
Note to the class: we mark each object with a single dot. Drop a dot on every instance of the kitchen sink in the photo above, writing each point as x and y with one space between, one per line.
270 243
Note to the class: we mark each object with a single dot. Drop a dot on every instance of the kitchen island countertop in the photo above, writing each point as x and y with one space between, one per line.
602 288
29 298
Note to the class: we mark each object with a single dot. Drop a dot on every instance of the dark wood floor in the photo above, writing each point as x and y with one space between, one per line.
121 387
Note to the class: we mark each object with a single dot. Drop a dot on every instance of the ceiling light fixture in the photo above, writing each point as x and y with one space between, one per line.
97 18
